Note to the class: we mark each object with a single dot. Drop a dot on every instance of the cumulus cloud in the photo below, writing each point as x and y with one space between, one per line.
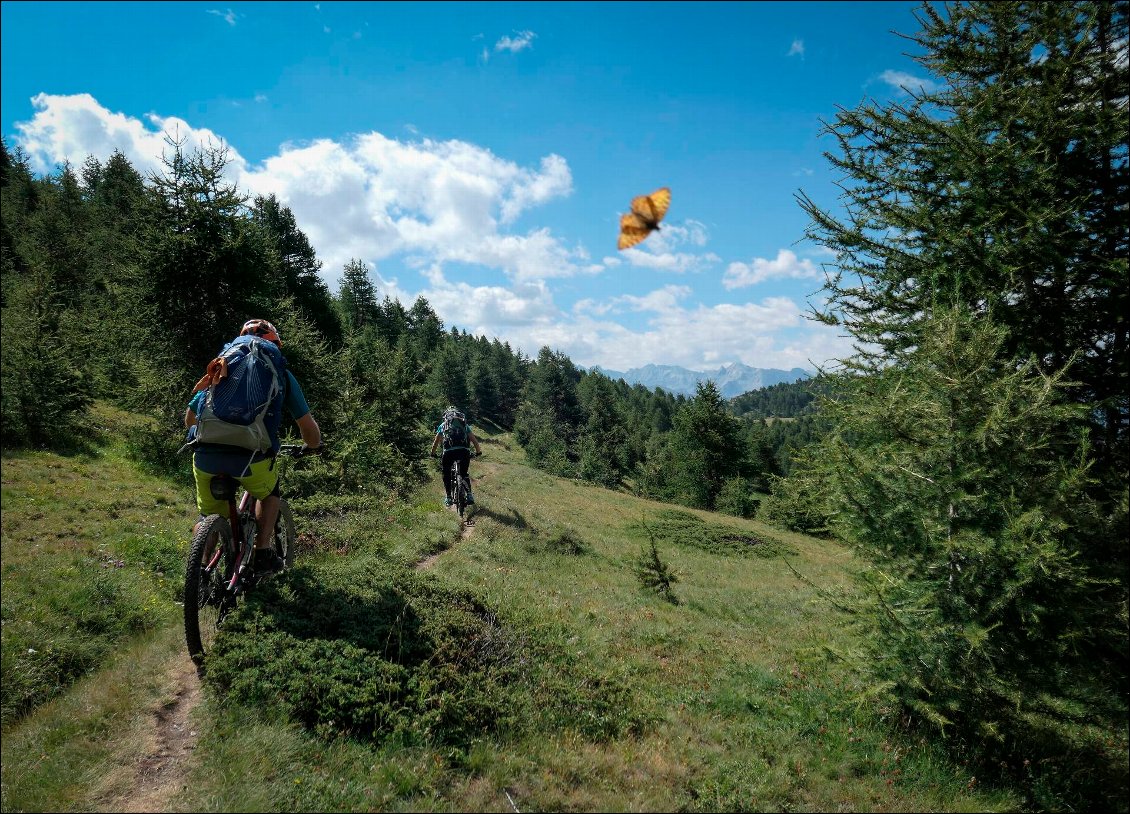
370 196
785 265
72 127
770 333
437 206
661 250
907 83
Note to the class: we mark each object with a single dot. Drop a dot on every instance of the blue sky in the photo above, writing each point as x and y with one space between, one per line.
480 154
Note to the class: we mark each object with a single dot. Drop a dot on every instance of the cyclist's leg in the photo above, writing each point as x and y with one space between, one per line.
205 503
261 479
445 467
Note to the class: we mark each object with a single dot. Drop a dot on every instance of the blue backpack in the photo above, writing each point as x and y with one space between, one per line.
245 403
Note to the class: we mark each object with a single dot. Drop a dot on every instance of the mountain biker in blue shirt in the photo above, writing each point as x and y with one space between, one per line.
255 471
455 450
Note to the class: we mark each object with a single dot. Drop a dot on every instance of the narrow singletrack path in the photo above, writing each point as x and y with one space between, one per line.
161 770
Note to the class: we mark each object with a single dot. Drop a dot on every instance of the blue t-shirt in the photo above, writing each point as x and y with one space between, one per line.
294 401
467 445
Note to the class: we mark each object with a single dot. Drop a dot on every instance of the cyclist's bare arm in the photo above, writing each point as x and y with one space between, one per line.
475 444
189 418
311 432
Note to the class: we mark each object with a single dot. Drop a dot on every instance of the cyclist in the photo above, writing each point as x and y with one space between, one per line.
455 434
254 470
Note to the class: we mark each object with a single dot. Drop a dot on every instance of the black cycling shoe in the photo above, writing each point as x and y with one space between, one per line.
267 561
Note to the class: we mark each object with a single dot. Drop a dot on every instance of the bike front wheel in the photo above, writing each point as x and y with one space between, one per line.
211 559
284 533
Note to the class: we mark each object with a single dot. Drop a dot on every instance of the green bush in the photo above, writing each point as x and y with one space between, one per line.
381 652
736 498
686 529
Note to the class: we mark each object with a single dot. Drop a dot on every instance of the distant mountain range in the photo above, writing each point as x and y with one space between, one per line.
732 380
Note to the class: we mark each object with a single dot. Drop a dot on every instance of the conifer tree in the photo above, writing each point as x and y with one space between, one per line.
298 266
979 451
1001 185
357 297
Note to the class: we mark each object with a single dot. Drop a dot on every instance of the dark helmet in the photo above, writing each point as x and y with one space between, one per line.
263 328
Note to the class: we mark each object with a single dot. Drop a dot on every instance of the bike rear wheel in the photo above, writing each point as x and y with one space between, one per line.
206 601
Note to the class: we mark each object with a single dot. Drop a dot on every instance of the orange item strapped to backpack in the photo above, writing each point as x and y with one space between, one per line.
217 371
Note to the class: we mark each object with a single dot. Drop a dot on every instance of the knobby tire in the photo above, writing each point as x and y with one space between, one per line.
285 534
204 595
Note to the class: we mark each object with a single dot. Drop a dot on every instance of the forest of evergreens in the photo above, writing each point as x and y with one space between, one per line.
975 450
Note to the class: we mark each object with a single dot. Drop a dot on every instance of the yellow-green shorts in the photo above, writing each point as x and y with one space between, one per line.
259 478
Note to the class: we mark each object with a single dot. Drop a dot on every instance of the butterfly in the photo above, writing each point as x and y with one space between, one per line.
647 211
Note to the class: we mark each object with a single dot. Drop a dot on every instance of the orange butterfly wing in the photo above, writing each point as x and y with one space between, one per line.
647 211
633 229
652 207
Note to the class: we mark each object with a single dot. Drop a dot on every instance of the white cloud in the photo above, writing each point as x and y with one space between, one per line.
228 15
436 206
519 42
369 197
786 265
796 49
660 251
489 309
772 333
907 83
72 127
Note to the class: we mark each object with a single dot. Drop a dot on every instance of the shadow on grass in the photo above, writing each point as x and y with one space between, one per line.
511 517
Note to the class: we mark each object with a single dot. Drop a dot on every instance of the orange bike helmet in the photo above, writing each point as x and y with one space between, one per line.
260 327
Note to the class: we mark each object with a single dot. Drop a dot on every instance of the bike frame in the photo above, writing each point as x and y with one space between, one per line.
243 545
242 541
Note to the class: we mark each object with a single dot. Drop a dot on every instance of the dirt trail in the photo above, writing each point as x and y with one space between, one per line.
429 561
161 770
464 532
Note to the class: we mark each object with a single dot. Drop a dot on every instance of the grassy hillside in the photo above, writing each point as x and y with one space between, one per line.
525 668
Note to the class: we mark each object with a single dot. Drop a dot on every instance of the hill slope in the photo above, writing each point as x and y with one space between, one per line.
532 672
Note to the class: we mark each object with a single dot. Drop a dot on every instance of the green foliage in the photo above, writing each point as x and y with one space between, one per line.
737 498
45 391
297 267
964 475
380 439
1000 188
982 254
799 502
380 653
782 400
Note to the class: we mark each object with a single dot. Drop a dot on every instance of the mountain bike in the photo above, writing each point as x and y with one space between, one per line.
220 569
461 486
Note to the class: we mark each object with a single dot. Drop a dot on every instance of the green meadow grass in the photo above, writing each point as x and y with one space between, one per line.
92 551
531 669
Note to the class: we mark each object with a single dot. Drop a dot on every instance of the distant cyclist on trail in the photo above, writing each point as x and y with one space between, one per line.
233 419
457 438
